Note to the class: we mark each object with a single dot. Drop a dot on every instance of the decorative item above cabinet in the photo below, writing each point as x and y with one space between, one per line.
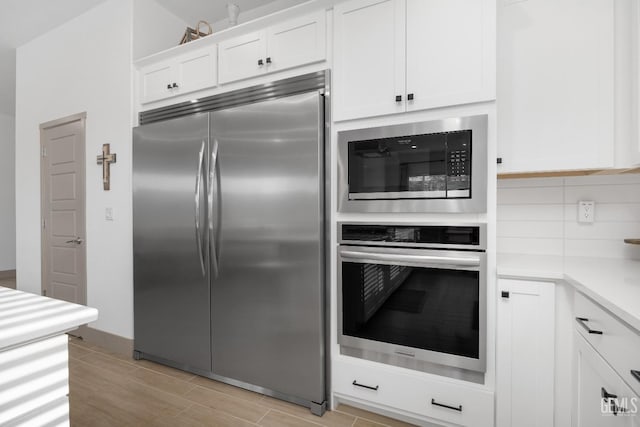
393 56
291 44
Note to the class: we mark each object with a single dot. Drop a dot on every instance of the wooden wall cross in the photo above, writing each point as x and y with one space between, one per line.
105 159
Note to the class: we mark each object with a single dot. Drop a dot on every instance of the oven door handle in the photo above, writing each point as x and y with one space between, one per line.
422 260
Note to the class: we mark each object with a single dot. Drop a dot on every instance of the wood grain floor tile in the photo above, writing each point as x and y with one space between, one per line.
78 352
329 419
201 416
163 369
280 419
240 408
221 387
360 422
162 381
369 416
109 363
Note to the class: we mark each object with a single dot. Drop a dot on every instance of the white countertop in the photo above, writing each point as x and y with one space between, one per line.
26 317
613 283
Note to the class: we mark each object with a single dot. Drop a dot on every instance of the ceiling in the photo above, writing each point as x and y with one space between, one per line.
24 20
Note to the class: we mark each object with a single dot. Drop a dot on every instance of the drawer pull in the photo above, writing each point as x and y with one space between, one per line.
582 320
355 383
610 399
442 405
635 374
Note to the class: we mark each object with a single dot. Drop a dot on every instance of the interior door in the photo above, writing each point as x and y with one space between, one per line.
63 209
267 292
171 276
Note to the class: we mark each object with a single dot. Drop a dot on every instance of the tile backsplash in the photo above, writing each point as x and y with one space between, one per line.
540 216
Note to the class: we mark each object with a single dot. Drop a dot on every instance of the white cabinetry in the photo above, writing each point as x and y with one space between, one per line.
401 55
290 44
189 72
601 398
525 354
555 85
412 395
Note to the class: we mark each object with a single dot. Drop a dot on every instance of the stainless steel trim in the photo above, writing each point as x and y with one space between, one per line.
480 247
435 194
424 360
197 208
457 193
478 201
214 229
416 257
285 87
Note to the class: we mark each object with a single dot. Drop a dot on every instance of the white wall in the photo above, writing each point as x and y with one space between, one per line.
84 65
539 216
7 194
155 28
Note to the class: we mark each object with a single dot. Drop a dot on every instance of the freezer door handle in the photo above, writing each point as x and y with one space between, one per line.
214 228
197 208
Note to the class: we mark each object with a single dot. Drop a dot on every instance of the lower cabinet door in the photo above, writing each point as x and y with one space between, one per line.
601 398
415 395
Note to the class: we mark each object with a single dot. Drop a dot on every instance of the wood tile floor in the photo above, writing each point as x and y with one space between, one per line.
112 390
8 282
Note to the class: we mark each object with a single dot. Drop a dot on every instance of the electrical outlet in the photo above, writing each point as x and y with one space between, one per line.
108 214
586 211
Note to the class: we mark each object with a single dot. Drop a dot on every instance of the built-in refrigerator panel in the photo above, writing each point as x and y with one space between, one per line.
171 268
267 236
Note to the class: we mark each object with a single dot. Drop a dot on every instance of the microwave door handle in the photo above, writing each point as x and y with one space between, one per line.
423 260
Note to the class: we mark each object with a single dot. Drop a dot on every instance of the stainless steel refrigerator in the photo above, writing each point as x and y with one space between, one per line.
229 245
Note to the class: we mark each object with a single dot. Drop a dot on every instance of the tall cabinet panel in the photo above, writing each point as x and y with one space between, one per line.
450 53
525 354
369 58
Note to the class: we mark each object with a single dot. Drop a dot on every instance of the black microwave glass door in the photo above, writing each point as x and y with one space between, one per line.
393 165
422 308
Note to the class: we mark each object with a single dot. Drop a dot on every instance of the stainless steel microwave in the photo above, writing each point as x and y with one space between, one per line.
434 166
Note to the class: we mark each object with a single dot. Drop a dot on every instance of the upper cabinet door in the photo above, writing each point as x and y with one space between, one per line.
197 70
450 52
243 57
369 56
556 85
297 42
156 81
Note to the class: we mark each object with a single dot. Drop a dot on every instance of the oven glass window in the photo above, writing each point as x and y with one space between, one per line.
423 308
417 166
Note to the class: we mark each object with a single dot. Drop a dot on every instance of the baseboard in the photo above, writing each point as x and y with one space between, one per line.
110 342
8 274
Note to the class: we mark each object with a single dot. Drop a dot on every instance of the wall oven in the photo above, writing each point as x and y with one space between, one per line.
414 296
434 166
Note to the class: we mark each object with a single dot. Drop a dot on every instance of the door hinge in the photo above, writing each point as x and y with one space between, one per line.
44 223
44 292
44 151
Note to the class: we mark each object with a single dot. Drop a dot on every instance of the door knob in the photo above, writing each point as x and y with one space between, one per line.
77 241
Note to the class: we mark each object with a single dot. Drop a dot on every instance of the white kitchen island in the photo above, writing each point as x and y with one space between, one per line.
34 373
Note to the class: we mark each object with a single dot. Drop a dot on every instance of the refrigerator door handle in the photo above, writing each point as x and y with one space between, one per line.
214 174
197 208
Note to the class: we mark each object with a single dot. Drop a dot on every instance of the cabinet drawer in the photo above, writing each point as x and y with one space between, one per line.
617 343
416 396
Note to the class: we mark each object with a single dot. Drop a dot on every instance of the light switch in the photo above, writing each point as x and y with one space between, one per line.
586 211
108 214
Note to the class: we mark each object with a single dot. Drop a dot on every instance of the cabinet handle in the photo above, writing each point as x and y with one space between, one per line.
608 397
442 405
410 97
499 160
635 374
398 98
355 383
260 62
268 60
174 85
504 294
582 320
169 86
